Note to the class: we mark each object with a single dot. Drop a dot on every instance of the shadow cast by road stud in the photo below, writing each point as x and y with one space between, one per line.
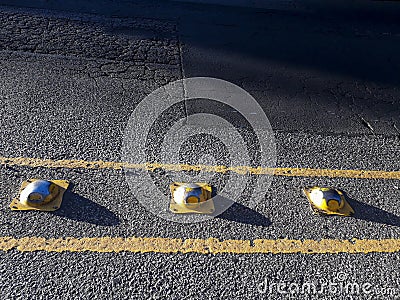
237 212
371 213
242 214
78 208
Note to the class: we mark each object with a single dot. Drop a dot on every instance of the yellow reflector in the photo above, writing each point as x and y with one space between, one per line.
191 198
43 195
328 201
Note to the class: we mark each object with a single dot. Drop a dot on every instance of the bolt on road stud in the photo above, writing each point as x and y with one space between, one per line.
43 195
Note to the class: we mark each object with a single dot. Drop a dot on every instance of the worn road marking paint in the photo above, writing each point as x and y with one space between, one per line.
300 172
201 246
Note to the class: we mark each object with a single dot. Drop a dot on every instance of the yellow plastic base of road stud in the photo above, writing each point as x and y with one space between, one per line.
328 201
191 198
42 195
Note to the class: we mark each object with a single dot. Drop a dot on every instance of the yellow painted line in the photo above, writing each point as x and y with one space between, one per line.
301 172
201 246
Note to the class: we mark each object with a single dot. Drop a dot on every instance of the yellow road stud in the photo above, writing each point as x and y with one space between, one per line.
191 198
37 194
328 201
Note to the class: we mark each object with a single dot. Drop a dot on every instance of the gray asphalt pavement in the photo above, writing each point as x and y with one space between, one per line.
71 76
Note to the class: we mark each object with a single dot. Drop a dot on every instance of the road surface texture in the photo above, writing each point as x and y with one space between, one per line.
327 79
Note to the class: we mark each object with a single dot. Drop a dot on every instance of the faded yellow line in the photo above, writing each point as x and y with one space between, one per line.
201 246
301 172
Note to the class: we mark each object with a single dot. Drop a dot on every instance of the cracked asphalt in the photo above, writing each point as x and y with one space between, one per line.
71 76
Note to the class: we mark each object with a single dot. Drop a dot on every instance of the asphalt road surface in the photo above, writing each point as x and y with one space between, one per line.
71 77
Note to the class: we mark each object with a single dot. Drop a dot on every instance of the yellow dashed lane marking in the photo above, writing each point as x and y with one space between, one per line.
302 172
201 246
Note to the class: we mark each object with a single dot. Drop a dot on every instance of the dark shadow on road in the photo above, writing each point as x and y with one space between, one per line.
242 214
234 211
299 64
374 214
358 40
78 208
